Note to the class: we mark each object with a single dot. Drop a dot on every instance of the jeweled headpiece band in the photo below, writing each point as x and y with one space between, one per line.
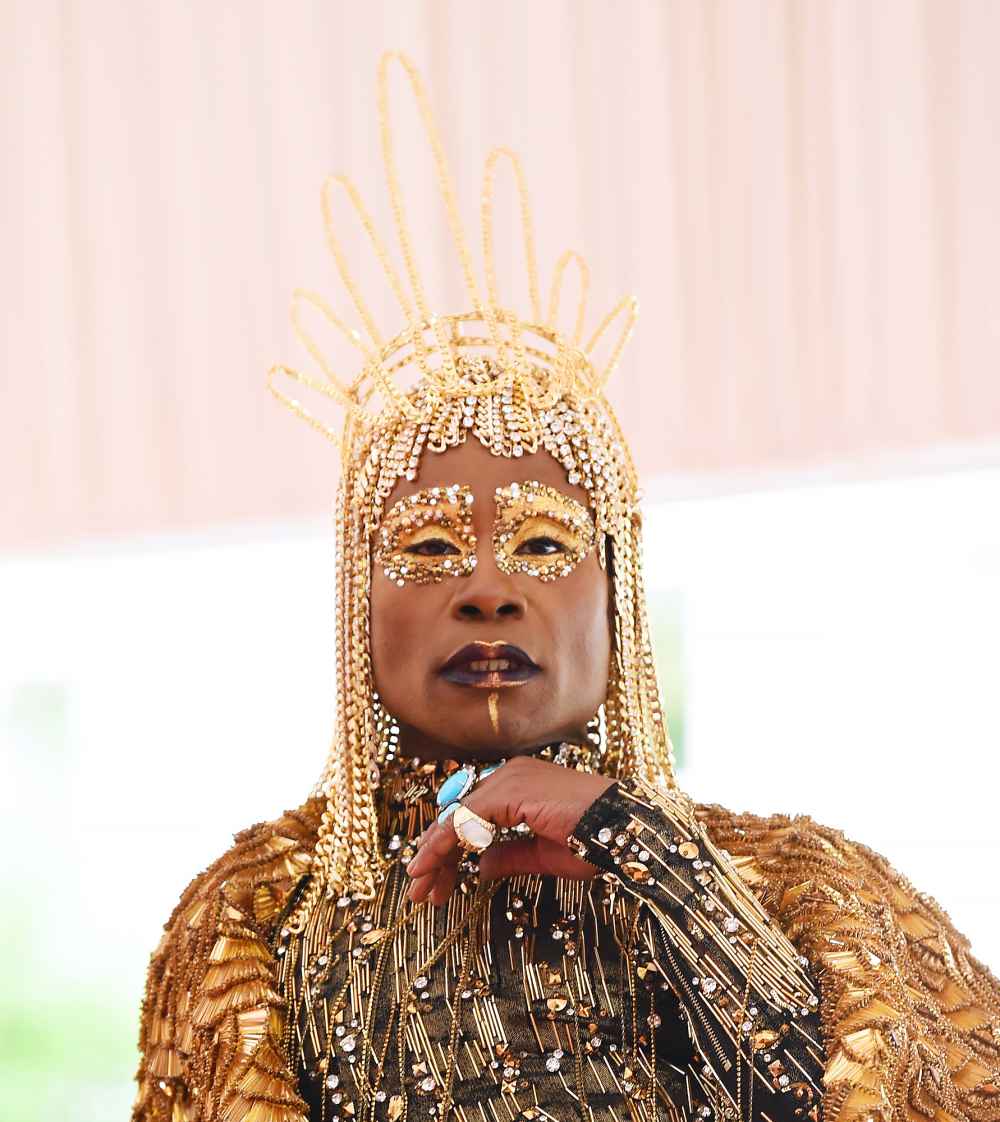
518 385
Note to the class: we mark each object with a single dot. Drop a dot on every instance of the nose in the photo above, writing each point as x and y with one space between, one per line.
487 595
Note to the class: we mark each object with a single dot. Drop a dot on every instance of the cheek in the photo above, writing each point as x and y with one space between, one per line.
391 628
401 620
583 625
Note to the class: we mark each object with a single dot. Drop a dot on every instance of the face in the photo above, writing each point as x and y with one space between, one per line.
491 632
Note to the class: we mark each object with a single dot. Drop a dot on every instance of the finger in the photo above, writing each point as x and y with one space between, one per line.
444 885
504 859
421 886
533 855
439 842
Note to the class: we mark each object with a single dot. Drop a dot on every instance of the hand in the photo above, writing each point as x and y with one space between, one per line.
549 798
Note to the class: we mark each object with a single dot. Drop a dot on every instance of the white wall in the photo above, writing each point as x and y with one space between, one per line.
840 660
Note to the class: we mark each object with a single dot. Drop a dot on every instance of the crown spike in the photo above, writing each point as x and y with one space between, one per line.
374 366
630 306
303 296
568 257
447 192
300 410
527 228
334 245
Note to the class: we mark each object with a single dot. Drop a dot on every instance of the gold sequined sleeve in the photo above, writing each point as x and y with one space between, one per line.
750 999
910 1016
211 1019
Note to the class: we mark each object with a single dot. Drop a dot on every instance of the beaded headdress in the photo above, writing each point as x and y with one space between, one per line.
517 384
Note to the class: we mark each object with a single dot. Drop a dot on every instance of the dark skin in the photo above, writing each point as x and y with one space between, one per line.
564 625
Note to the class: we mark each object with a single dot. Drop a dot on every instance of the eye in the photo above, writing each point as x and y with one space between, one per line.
540 546
432 547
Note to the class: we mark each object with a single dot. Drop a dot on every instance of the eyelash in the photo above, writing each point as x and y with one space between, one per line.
418 550
560 548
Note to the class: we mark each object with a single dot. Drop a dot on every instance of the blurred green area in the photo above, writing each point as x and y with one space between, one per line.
67 1025
68 1051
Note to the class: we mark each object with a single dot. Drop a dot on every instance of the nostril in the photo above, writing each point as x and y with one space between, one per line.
470 610
507 610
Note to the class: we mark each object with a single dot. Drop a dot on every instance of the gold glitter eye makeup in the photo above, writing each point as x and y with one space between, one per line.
540 531
428 536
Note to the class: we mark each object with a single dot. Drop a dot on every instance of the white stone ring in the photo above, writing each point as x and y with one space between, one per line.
472 830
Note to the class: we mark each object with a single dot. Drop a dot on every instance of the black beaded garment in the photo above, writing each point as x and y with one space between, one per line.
659 989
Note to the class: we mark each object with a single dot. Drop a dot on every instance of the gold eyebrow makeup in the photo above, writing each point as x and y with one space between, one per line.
540 531
428 536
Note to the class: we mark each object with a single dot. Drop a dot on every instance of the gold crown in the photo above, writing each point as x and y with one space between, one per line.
438 351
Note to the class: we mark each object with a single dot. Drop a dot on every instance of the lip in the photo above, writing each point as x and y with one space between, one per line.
458 669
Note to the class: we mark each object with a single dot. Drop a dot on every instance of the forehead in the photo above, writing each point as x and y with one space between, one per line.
475 466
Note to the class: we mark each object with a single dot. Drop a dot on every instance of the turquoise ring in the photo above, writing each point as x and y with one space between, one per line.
458 785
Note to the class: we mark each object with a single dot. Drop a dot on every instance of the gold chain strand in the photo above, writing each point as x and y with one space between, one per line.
463 981
739 1038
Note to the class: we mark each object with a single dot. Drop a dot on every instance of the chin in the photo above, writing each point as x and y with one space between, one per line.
475 737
